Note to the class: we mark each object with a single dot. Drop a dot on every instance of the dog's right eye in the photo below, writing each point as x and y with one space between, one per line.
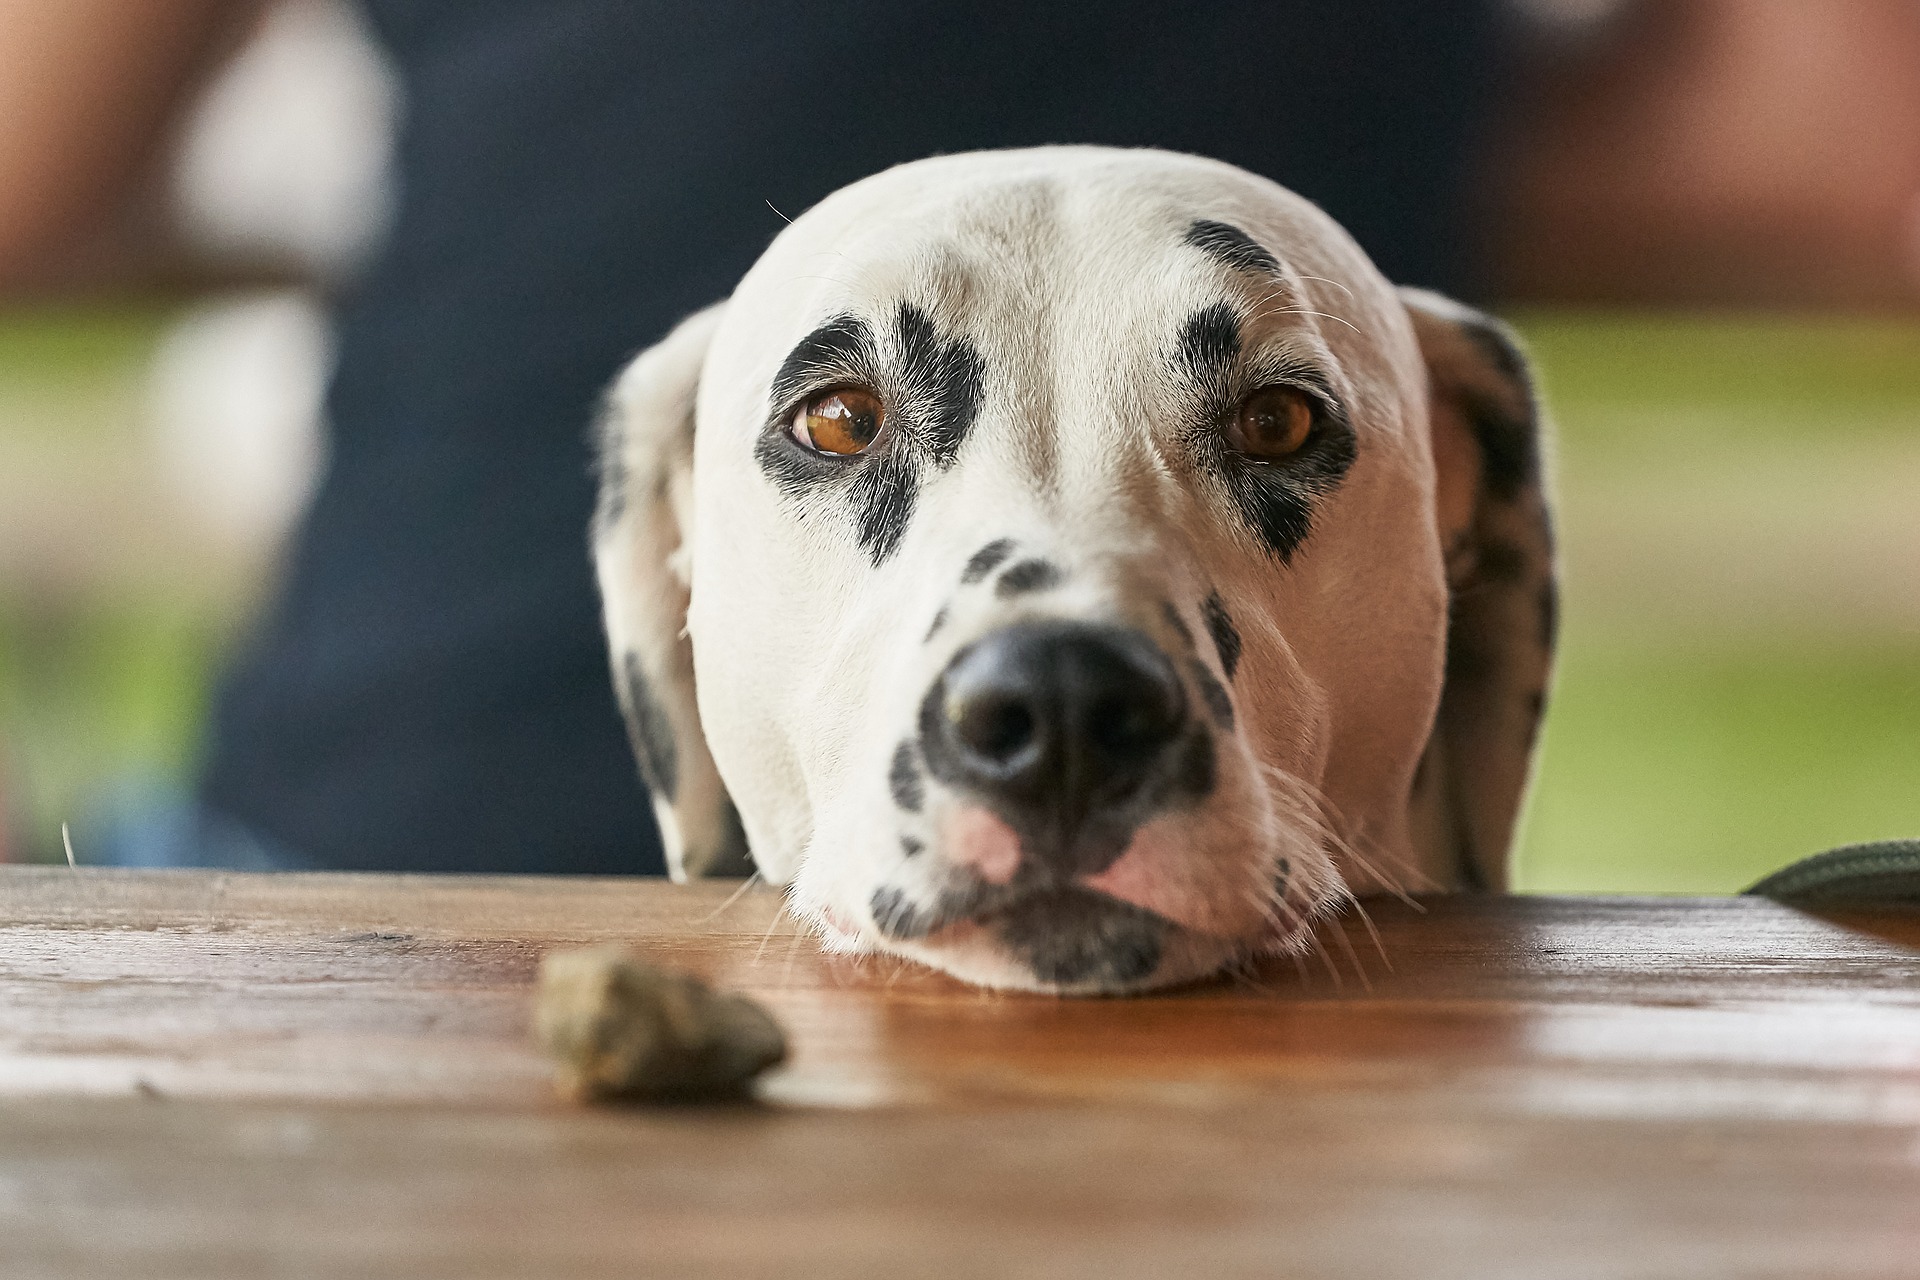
842 423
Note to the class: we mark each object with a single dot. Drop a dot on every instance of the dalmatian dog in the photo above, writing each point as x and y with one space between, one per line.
1078 570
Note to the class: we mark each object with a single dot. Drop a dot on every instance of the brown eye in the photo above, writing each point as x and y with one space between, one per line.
839 422
1272 423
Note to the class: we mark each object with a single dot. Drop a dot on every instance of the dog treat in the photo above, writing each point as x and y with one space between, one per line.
621 1028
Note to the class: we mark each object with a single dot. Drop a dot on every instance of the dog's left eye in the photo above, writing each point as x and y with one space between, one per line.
840 422
1272 423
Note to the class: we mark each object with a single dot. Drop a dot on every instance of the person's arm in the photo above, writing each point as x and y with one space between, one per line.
88 90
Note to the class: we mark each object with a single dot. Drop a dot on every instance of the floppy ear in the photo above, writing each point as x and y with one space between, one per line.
641 555
1496 533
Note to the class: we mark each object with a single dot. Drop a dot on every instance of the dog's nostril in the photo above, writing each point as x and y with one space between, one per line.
1127 725
995 727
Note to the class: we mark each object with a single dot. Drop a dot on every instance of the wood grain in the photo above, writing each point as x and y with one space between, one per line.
207 1074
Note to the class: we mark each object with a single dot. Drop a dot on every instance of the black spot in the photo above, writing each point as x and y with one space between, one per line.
1219 705
1178 623
1549 605
1210 343
1073 936
910 847
1028 575
1509 445
1509 452
1497 343
895 915
648 729
840 349
1230 246
1501 561
1282 877
1226 638
903 779
1468 659
986 560
939 621
941 382
883 495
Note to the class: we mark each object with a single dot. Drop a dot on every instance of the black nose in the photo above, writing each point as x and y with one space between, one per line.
1058 726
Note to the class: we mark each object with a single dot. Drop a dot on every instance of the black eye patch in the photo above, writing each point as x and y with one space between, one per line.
932 388
1275 499
1230 246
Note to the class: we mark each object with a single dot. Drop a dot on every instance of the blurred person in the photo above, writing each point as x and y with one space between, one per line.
428 688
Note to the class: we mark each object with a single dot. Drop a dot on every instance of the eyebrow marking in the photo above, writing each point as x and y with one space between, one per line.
1230 246
1209 341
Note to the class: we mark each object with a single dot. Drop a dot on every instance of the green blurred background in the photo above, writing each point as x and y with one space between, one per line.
1740 518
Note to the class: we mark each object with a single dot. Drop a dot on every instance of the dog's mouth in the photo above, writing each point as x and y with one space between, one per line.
1071 938
1067 936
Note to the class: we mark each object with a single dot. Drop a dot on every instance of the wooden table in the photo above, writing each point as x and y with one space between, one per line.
214 1075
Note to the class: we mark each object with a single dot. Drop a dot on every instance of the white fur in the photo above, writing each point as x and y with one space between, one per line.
803 662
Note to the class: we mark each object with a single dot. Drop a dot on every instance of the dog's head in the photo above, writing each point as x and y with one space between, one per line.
1080 568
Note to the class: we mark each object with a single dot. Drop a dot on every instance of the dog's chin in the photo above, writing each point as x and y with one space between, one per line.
1076 942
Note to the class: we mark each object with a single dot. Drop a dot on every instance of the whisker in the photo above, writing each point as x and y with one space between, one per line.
1300 965
1323 280
1346 944
732 898
1333 970
785 901
1374 934
1259 313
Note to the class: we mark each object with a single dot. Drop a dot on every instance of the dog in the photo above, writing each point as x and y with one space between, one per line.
1078 570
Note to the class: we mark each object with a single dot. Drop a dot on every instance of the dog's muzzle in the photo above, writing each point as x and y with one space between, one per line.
1070 732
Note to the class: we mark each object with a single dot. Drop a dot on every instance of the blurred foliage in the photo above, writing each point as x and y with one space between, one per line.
1699 770
1688 751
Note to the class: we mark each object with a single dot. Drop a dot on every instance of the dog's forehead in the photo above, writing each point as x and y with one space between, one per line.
1106 250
